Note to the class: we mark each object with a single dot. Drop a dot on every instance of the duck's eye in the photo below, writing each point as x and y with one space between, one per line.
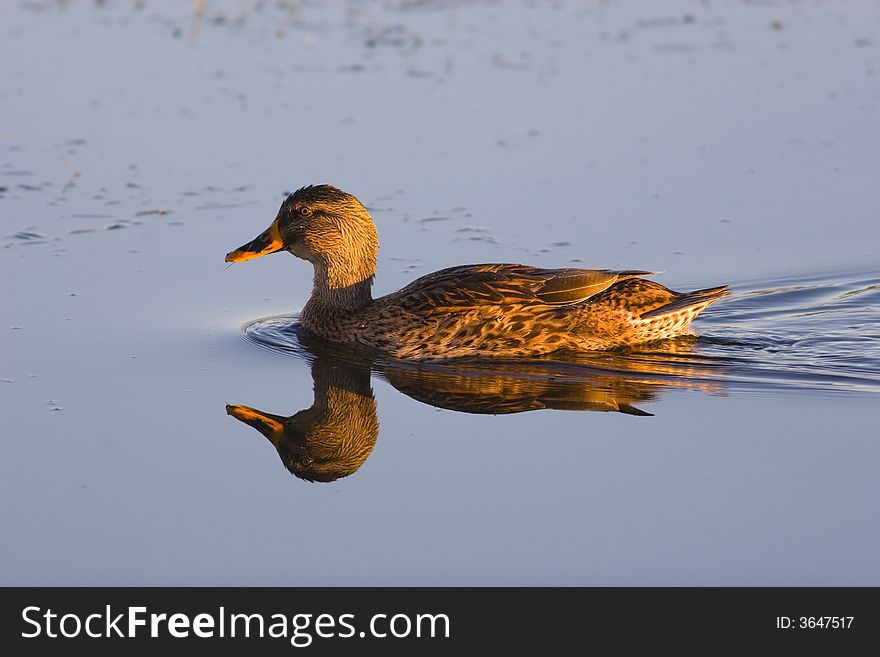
305 211
306 461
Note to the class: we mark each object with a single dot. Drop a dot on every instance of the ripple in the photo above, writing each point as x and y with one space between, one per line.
279 333
820 333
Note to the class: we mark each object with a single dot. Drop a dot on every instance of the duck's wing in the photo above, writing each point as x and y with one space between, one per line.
502 284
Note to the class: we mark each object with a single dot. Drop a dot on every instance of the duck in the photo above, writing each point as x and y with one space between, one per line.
494 310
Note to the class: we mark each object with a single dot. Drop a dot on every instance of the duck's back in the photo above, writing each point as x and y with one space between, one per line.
466 286
510 310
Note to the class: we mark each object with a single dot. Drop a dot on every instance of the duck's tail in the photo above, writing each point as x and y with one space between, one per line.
673 318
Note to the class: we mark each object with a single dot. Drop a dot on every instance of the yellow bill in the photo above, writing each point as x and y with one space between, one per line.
269 241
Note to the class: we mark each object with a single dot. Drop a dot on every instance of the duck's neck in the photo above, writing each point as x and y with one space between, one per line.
338 293
342 294
343 278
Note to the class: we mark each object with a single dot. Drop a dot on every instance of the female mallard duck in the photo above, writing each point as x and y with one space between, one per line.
471 310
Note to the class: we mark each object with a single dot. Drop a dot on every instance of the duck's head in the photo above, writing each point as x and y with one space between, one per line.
324 225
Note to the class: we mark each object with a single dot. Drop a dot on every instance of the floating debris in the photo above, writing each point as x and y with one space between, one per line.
142 213
27 235
74 172
395 36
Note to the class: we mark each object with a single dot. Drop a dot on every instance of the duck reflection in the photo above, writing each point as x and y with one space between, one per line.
332 438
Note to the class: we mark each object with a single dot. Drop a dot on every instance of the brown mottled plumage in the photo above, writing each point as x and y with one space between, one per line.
470 310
